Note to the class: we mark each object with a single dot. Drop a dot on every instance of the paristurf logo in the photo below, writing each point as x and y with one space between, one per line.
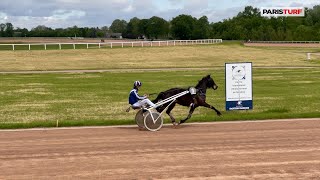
282 11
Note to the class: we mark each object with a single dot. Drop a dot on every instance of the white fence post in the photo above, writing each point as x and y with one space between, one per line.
45 46
111 44
99 45
60 46
122 45
13 47
29 47
87 46
74 46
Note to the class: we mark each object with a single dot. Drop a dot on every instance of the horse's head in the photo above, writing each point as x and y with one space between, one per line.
207 82
211 83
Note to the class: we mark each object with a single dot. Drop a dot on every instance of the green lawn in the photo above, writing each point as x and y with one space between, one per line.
198 56
38 100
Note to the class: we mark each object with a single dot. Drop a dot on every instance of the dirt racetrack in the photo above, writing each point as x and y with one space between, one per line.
277 149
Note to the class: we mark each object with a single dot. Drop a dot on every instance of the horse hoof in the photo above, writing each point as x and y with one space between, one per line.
175 124
141 129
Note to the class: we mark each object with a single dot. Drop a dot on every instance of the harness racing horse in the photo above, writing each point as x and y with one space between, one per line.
194 101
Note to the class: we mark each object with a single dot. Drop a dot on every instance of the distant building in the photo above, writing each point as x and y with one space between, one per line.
114 35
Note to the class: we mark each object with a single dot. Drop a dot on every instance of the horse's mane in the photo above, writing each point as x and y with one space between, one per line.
202 81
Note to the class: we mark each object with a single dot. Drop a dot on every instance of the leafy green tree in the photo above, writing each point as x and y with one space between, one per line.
201 28
157 27
303 33
9 30
119 26
21 32
133 28
281 35
249 12
42 31
2 28
182 26
143 26
85 32
313 16
289 35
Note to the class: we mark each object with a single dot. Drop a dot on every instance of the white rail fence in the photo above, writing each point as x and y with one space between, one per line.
109 44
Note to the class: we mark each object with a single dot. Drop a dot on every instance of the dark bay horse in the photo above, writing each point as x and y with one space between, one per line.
193 101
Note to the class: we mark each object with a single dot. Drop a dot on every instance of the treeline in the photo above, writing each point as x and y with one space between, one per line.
247 25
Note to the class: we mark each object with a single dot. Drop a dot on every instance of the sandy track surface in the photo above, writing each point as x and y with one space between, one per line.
241 150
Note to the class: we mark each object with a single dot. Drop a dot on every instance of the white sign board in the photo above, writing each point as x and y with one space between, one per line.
238 86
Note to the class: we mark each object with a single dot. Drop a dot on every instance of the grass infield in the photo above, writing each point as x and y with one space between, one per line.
198 56
77 99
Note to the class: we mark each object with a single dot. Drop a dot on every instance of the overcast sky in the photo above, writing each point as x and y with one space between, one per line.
98 13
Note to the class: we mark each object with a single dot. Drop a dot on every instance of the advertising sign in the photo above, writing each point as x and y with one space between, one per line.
238 86
282 11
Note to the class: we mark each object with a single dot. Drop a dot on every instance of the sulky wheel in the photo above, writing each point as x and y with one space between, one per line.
140 118
155 123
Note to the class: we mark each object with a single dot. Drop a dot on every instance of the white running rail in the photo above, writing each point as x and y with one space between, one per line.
60 46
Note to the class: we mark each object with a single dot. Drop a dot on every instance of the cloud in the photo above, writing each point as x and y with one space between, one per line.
220 15
67 14
98 13
256 2
3 17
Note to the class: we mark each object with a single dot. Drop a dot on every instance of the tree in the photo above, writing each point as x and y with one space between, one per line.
249 12
143 26
2 28
92 32
157 27
304 33
313 16
201 28
119 26
133 28
289 36
9 30
182 26
21 32
42 31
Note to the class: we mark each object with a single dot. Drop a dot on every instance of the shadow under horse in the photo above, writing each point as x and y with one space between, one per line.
192 101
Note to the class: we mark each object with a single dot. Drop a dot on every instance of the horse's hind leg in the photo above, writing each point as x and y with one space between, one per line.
211 107
189 115
173 120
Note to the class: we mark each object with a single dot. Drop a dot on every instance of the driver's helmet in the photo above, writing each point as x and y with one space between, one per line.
137 83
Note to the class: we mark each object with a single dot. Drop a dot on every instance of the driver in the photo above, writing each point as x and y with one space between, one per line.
137 101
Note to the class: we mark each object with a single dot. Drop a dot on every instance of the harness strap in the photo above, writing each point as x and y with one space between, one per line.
201 93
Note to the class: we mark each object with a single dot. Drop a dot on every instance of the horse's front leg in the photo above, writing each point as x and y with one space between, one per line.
192 108
211 107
